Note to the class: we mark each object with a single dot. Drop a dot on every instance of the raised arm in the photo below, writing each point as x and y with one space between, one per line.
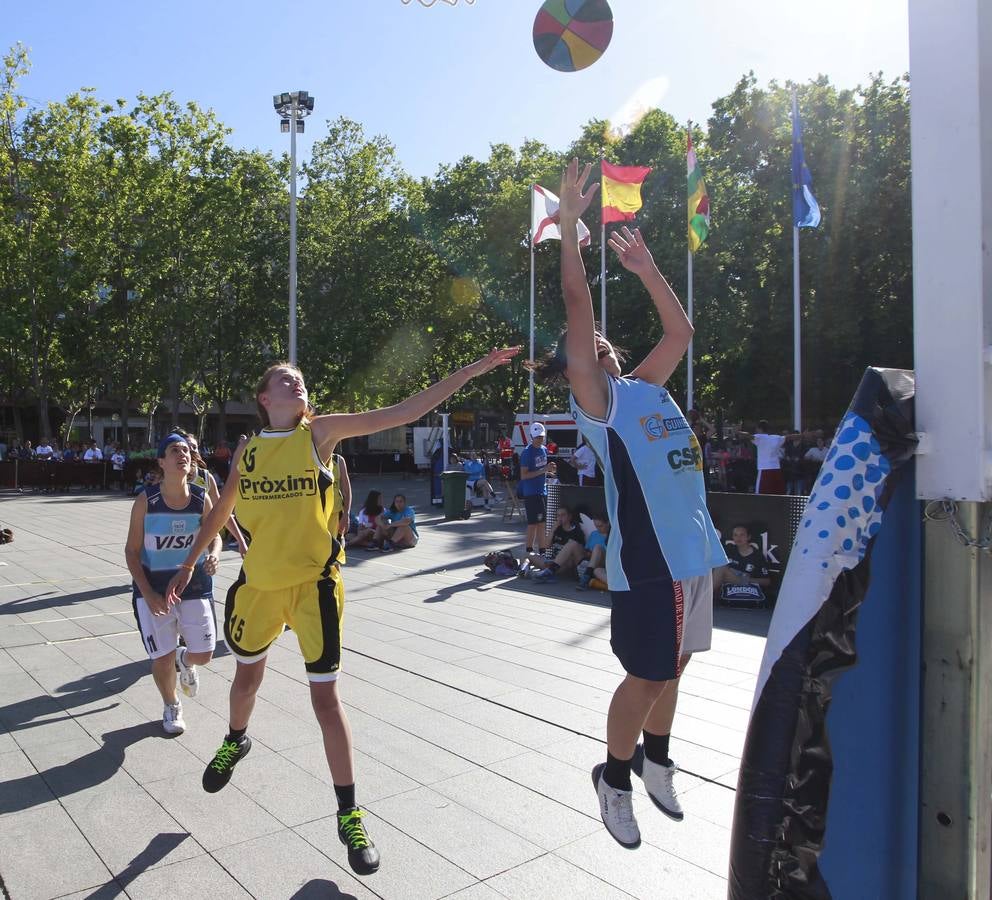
210 526
586 378
329 430
344 520
659 364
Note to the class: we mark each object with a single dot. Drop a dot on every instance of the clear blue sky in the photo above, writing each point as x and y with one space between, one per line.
445 81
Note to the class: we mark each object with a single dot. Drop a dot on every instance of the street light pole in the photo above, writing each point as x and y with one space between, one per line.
292 230
292 108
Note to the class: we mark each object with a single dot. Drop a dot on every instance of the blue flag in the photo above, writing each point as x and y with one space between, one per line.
805 209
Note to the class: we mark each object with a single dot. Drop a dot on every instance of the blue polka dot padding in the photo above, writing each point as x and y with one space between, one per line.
845 517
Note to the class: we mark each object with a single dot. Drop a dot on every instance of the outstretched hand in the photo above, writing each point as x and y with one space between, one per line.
491 360
633 252
571 199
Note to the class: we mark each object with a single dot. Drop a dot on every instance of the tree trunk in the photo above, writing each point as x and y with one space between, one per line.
151 422
44 421
174 369
125 431
221 432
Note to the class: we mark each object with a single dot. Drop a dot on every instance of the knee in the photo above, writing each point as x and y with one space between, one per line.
164 663
248 677
326 703
647 691
199 659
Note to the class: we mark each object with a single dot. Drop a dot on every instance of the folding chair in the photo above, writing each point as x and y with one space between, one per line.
512 502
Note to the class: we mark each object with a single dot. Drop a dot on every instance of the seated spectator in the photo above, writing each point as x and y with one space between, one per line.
397 526
567 549
477 482
44 451
592 569
747 566
365 535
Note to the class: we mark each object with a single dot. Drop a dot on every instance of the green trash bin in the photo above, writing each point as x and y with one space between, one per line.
453 492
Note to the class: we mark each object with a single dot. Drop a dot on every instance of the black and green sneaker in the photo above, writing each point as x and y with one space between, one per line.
221 767
362 855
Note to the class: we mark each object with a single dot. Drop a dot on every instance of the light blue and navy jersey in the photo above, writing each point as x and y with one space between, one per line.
655 494
169 533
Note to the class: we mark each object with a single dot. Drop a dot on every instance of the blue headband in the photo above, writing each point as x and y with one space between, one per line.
170 439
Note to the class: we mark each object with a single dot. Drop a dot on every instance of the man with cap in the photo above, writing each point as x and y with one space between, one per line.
533 488
165 521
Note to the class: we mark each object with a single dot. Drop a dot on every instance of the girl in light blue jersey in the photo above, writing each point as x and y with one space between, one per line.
663 546
165 521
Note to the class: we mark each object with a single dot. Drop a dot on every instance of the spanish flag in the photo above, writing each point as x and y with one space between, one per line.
621 191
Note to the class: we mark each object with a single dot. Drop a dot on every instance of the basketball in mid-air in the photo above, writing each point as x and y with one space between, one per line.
572 34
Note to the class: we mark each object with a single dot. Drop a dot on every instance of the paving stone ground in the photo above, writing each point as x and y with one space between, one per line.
478 707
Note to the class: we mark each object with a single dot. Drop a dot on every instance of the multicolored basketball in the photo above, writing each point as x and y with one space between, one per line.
572 34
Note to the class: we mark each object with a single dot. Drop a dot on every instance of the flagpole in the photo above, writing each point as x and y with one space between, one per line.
688 396
602 278
530 394
797 381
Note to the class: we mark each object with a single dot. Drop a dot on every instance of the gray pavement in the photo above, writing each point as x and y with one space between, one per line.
478 707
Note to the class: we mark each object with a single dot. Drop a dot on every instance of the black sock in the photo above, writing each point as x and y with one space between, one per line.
617 773
235 734
656 748
346 796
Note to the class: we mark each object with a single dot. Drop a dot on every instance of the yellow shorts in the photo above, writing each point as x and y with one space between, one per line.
253 619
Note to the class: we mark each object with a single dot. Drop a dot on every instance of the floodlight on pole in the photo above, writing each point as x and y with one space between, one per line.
292 107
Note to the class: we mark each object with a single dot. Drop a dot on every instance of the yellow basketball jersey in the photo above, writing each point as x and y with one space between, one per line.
285 503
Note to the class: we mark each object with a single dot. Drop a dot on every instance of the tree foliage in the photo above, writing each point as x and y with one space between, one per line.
143 259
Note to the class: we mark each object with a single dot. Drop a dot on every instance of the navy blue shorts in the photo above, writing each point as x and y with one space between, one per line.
536 508
658 622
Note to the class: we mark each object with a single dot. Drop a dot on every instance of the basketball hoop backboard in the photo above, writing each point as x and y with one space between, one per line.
951 66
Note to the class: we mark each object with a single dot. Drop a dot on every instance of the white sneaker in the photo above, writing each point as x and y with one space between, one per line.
172 718
658 781
189 680
617 811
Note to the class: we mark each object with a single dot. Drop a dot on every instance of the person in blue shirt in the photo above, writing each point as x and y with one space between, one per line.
595 552
397 526
477 482
663 546
533 488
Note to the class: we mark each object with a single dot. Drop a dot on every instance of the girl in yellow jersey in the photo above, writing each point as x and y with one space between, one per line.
282 488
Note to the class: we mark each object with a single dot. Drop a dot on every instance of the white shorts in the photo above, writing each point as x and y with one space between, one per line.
193 619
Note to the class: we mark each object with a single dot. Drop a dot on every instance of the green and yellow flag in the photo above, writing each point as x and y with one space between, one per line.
699 202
